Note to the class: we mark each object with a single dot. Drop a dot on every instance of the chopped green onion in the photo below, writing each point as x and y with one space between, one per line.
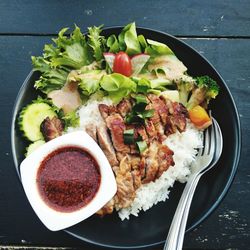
139 107
148 113
128 136
142 146
133 118
141 99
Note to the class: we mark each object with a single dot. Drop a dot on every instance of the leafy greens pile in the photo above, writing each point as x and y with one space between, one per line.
76 51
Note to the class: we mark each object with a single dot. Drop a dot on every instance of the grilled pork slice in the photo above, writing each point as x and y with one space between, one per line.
125 185
165 159
151 163
104 110
51 128
136 178
180 115
106 145
124 107
151 131
159 107
156 121
117 126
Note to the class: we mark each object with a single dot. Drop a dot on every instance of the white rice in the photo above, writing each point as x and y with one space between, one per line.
89 113
183 144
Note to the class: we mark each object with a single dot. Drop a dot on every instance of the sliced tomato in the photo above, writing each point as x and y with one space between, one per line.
122 64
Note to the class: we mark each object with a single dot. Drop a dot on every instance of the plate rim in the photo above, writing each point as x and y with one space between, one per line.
235 164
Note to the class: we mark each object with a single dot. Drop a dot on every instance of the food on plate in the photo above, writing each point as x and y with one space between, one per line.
134 97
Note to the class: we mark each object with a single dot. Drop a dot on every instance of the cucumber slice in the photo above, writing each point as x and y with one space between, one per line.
31 118
33 146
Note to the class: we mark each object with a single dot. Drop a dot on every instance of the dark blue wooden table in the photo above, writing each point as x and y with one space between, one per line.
220 30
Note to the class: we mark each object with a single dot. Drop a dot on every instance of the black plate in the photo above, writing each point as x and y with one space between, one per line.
151 228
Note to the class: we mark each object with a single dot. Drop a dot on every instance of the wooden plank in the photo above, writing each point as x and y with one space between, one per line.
226 228
184 18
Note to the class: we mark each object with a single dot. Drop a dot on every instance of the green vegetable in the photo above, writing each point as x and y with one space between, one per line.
96 42
113 44
51 78
141 99
185 88
71 120
89 81
128 40
142 146
139 114
206 89
33 146
73 51
117 86
128 136
160 83
31 118
156 49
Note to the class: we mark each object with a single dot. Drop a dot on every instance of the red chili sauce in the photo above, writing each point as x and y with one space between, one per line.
68 179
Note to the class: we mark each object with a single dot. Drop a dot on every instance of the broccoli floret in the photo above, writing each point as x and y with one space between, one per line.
206 89
184 88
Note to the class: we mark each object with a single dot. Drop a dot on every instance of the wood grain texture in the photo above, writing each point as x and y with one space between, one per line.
227 227
185 18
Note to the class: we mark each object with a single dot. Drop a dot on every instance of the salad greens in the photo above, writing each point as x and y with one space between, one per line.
87 61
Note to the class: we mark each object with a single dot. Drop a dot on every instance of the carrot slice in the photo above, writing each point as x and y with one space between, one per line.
199 117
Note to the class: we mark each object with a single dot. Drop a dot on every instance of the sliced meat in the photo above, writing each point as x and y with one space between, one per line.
156 120
134 161
51 128
180 115
125 185
124 166
159 107
151 131
141 132
116 126
136 178
151 163
104 110
91 130
106 145
142 167
165 159
124 107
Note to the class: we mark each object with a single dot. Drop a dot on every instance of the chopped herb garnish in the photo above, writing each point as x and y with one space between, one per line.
142 146
139 114
141 99
128 136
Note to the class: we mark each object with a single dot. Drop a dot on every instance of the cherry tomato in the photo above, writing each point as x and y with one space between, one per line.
122 64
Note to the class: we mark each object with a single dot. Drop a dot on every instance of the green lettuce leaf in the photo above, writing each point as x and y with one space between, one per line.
89 81
51 78
128 38
113 44
127 41
117 86
71 120
74 51
156 49
96 42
